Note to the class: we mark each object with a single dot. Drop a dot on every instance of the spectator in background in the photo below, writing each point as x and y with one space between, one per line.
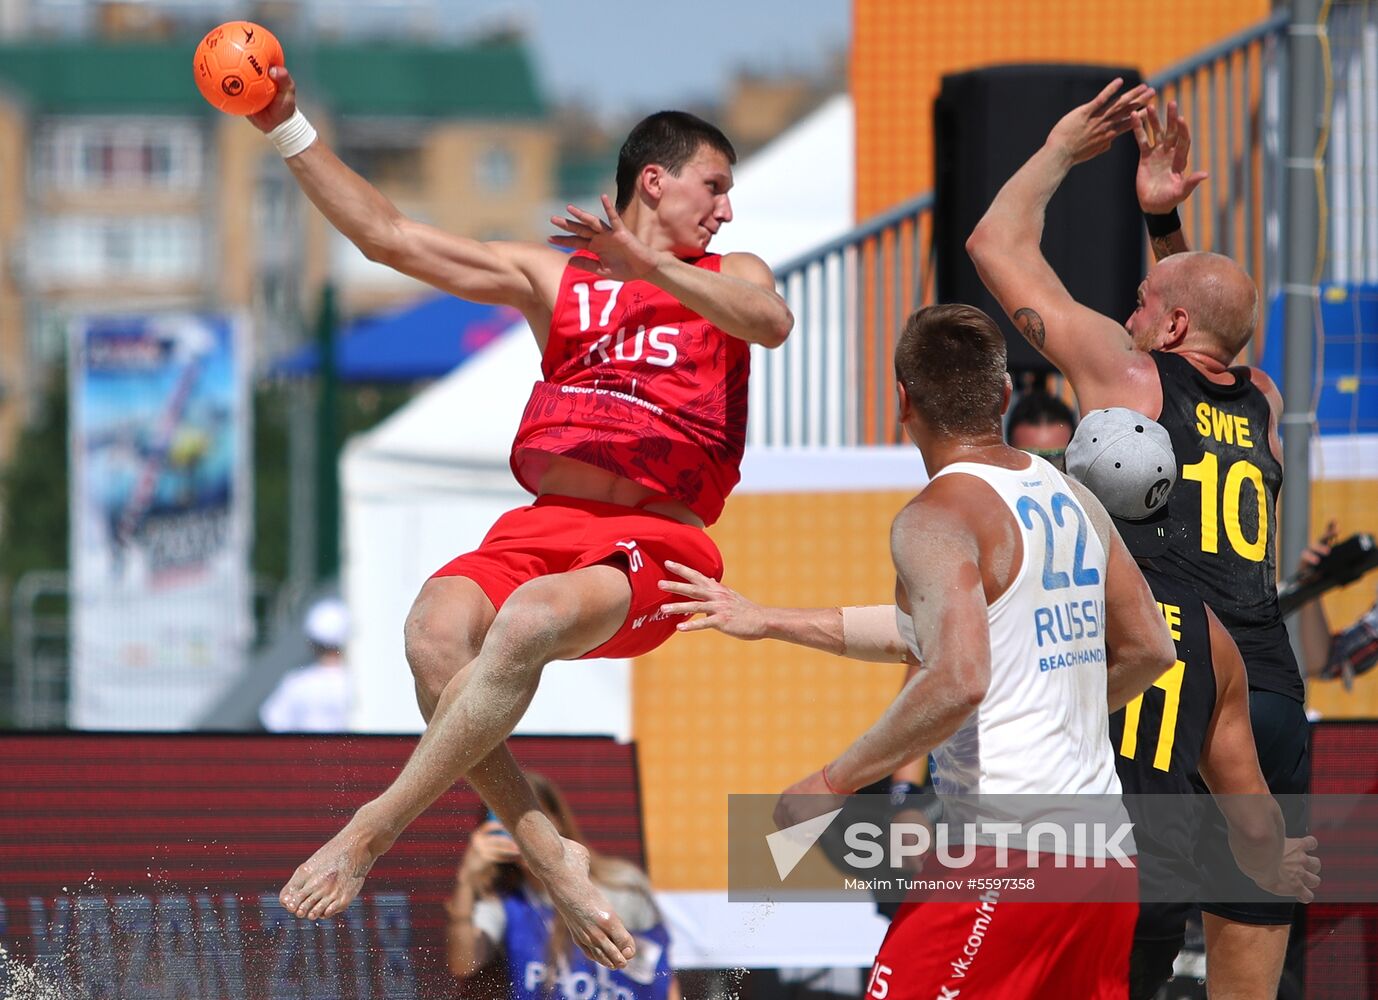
1042 425
1329 655
315 698
502 920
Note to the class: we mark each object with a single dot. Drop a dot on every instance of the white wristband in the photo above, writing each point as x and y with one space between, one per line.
293 135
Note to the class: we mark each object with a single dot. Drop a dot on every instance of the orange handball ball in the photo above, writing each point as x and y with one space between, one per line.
231 67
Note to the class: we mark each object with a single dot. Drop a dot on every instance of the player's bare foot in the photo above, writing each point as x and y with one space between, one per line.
330 879
595 928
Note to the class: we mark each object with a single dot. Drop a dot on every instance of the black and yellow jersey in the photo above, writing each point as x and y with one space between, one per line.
1159 736
1222 532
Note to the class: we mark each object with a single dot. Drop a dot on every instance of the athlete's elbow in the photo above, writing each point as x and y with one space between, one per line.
382 241
995 240
977 241
983 241
967 700
1147 668
1163 654
969 689
778 327
378 248
1152 650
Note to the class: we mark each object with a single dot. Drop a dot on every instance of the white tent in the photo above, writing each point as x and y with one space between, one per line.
798 192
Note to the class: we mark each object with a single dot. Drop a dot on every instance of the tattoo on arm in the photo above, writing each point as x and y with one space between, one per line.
1031 326
1166 246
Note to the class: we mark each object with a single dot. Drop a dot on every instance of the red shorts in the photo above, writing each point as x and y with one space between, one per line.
1002 948
557 534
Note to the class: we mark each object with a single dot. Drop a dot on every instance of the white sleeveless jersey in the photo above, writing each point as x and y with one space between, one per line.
1043 725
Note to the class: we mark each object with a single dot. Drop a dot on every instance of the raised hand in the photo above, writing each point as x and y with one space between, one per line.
1162 181
283 104
722 607
1087 131
622 256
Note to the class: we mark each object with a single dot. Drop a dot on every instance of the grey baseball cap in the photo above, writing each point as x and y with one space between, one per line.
1127 461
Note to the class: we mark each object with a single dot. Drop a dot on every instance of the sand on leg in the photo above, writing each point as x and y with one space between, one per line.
553 617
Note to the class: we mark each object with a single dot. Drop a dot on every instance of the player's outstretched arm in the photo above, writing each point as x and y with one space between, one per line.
858 633
1093 351
937 556
740 300
1162 181
1229 767
522 275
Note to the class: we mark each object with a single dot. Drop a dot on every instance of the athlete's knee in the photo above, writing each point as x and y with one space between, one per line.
442 634
531 621
544 619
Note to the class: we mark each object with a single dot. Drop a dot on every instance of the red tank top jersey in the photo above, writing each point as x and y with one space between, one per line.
640 385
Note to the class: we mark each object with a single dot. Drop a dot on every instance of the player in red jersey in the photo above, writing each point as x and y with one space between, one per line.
631 444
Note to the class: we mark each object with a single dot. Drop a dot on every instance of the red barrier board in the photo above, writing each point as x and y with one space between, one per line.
149 865
1342 939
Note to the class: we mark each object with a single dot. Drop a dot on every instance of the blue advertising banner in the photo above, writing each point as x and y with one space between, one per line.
160 515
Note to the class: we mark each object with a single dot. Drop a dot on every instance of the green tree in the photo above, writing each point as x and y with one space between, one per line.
34 489
33 515
33 492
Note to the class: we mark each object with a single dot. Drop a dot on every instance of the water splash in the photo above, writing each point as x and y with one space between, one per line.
759 914
24 982
731 984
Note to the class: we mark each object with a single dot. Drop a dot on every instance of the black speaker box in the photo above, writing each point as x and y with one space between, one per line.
987 123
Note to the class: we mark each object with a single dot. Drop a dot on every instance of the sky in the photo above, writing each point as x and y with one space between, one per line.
620 57
615 57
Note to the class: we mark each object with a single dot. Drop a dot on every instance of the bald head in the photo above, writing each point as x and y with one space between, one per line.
1219 297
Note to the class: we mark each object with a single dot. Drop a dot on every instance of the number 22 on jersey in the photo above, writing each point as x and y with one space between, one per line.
1053 578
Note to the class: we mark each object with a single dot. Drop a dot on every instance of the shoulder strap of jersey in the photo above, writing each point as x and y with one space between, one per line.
568 277
1178 369
982 470
709 262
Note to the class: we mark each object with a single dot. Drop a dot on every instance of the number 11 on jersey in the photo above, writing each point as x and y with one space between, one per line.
1170 683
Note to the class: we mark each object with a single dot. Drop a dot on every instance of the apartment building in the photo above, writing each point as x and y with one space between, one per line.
121 190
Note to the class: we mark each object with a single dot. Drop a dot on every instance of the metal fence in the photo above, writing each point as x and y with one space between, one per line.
1232 95
41 642
831 384
849 298
41 624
